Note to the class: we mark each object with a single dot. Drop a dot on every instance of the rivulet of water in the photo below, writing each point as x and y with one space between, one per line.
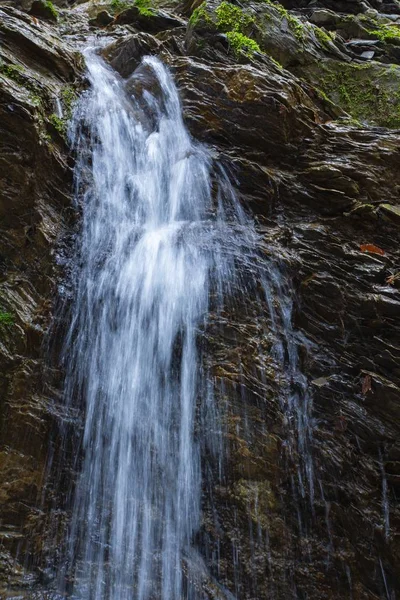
156 244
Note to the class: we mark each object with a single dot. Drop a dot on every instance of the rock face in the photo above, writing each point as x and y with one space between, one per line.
322 180
36 77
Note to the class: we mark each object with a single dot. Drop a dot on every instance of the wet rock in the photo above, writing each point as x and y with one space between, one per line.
44 10
102 19
330 177
150 20
368 54
392 213
36 69
325 18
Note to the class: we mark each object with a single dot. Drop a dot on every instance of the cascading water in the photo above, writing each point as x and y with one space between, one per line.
152 249
164 242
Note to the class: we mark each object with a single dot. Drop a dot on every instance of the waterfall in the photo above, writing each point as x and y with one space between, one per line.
153 252
164 244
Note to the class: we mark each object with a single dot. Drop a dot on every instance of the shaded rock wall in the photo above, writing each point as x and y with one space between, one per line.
36 75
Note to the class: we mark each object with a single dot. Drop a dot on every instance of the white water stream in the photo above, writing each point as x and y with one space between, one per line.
161 239
151 250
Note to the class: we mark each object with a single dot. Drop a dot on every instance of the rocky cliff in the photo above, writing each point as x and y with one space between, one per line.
300 102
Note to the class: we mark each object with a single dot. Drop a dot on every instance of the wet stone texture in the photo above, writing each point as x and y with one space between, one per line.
37 74
321 177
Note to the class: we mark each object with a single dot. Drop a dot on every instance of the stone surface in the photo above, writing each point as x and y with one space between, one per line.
36 69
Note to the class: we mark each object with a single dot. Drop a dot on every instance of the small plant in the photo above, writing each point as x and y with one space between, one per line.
68 97
200 14
51 8
322 36
118 5
144 8
58 124
232 18
6 318
241 44
11 71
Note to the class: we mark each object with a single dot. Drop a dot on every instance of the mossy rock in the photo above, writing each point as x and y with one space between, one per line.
276 31
369 27
391 213
44 9
368 92
227 18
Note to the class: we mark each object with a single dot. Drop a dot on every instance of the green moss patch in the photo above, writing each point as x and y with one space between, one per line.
44 9
200 16
233 21
295 25
389 34
14 72
68 98
6 318
232 18
241 44
51 9
144 6
119 5
59 124
324 38
368 92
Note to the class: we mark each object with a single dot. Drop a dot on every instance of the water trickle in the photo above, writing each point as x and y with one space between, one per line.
385 499
154 250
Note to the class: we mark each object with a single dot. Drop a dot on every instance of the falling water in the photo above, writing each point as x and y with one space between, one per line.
164 242
153 253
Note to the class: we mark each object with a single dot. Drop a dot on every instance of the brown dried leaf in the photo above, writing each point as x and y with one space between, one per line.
366 385
372 249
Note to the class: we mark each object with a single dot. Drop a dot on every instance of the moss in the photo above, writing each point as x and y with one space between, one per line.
68 97
389 34
19 75
322 36
200 15
276 63
118 5
295 25
365 92
51 8
35 99
59 124
231 18
6 318
145 8
241 44
350 121
11 71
